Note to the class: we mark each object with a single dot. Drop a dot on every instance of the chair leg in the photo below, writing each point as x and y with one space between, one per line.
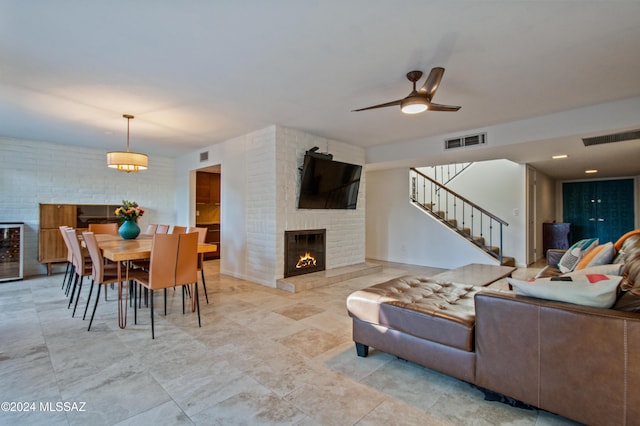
88 299
72 275
183 292
73 291
66 272
204 285
165 302
75 305
197 304
153 336
94 307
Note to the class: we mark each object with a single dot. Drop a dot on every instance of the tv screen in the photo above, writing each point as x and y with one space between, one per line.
328 184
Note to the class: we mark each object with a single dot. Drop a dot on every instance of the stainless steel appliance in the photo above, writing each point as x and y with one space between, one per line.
11 251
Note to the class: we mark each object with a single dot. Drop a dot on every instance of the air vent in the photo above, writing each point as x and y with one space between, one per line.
204 156
614 137
469 140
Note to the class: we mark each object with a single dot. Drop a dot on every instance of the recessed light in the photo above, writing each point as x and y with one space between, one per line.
560 156
591 171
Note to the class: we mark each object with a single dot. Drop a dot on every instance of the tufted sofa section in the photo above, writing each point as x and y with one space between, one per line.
576 361
420 320
440 312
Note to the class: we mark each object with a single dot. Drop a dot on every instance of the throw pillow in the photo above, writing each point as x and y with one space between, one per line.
571 258
600 255
620 241
595 290
608 269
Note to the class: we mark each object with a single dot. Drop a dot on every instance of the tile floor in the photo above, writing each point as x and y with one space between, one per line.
262 356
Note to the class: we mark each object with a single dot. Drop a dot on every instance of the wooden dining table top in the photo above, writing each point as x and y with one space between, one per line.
117 249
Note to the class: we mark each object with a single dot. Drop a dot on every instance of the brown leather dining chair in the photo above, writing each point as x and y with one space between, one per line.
173 263
151 229
101 273
202 236
179 230
162 229
68 272
82 266
104 228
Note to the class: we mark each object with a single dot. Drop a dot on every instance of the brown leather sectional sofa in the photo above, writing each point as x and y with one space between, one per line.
579 362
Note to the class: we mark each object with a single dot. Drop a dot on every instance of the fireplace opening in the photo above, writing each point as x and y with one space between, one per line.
304 251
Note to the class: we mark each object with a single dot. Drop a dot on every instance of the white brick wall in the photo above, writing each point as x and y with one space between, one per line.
38 172
260 195
273 156
345 228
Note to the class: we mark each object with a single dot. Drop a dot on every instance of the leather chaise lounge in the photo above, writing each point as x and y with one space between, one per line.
576 361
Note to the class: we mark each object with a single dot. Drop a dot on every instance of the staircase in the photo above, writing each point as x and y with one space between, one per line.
467 219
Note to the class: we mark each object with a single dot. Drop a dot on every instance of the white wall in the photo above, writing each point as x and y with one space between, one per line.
399 232
499 186
39 172
545 208
345 239
430 150
259 189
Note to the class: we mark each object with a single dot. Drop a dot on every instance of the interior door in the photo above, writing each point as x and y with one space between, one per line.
532 220
602 209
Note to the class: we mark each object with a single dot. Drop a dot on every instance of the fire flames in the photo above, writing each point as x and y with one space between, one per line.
306 261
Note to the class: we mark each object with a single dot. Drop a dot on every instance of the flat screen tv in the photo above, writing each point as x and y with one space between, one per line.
328 184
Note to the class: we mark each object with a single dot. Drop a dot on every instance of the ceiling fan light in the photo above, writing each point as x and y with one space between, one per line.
413 105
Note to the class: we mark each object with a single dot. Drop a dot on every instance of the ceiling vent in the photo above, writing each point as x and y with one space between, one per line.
204 156
469 140
614 137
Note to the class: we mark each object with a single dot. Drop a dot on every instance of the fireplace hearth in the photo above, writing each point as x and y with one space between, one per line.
304 251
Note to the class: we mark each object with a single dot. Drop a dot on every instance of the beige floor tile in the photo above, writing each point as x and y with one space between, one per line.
262 356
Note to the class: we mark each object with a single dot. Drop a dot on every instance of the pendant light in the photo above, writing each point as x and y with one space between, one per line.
126 161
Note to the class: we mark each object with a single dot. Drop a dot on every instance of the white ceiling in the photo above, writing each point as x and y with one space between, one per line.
199 72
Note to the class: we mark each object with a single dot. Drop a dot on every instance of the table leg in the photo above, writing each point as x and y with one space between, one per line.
123 304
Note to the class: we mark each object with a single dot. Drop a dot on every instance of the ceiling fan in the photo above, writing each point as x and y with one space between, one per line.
419 100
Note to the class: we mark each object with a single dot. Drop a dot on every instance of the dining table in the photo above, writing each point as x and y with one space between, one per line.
123 252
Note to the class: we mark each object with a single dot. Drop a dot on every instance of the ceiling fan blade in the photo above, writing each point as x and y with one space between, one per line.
439 107
433 81
388 104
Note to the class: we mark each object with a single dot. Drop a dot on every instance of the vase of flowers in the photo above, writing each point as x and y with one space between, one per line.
129 213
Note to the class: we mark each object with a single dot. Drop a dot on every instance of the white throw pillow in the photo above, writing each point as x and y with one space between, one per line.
596 290
608 269
572 256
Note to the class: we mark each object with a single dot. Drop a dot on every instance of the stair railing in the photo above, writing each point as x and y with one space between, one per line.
445 173
477 225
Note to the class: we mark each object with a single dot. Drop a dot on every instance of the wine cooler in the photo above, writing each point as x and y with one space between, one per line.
11 251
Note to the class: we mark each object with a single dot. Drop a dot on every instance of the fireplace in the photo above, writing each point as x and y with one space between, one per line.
304 251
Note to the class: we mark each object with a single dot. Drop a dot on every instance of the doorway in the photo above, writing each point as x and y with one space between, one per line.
599 209
208 204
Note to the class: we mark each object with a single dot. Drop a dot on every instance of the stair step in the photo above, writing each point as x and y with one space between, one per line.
479 240
508 261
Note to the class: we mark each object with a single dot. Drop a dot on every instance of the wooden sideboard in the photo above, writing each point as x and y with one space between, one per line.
51 247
